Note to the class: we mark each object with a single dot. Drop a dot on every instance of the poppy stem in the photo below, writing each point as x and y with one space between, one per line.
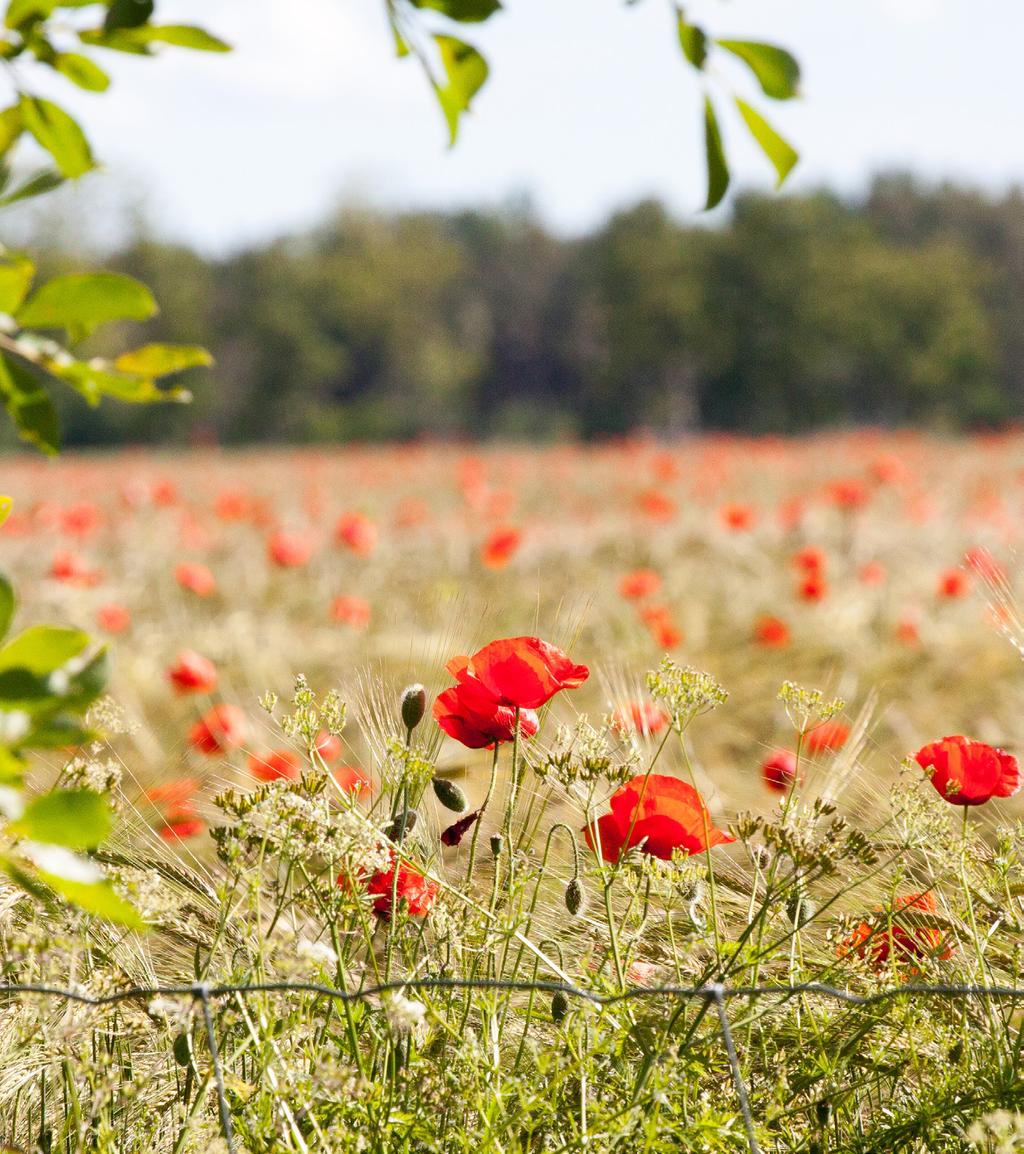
510 807
480 820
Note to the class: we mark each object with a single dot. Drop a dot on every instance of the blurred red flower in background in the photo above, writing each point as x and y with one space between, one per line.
196 578
828 735
275 765
898 936
779 770
771 632
500 547
357 533
351 610
639 584
219 730
192 673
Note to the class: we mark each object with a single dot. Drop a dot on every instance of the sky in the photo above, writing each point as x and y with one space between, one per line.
589 108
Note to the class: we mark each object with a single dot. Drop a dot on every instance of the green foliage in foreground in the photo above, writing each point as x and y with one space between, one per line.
448 1070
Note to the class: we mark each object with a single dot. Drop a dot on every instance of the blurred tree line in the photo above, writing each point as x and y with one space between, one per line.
904 307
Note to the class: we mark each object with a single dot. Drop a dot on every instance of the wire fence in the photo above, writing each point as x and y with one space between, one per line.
714 994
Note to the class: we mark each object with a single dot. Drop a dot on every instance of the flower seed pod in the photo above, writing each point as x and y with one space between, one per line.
449 794
575 896
182 1050
497 841
414 704
404 823
559 1006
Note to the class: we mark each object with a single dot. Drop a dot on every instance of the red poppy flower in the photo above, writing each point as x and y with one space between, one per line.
897 936
520 671
812 588
829 735
233 505
664 813
221 729
328 745
640 717
657 506
289 550
967 772
357 533
113 618
779 770
351 780
737 518
192 673
470 714
277 765
771 632
416 892
351 610
907 632
662 625
639 584
954 583
873 573
196 578
181 824
848 493
72 569
164 493
810 560
500 547
175 794
81 520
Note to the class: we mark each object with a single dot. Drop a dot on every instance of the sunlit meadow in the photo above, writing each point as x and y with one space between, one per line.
725 765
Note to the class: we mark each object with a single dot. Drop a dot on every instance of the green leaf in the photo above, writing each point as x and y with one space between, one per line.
123 40
29 405
46 180
82 71
693 41
97 898
180 36
43 649
778 150
82 302
6 505
73 818
466 72
12 767
95 382
16 273
21 11
718 169
59 134
162 360
59 732
12 125
8 602
465 11
776 70
128 14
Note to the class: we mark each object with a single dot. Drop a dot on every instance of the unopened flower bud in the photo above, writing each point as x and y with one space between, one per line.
404 823
575 896
497 841
559 1006
449 794
414 704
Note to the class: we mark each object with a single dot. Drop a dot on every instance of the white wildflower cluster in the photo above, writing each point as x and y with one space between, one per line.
1001 1132
404 1015
297 824
148 891
99 776
109 716
685 692
807 707
302 957
582 754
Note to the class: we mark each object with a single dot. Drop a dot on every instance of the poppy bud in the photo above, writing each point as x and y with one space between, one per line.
182 1050
414 704
496 843
559 1006
575 896
800 910
404 823
449 794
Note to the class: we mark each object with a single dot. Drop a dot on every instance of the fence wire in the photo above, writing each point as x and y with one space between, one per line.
715 994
